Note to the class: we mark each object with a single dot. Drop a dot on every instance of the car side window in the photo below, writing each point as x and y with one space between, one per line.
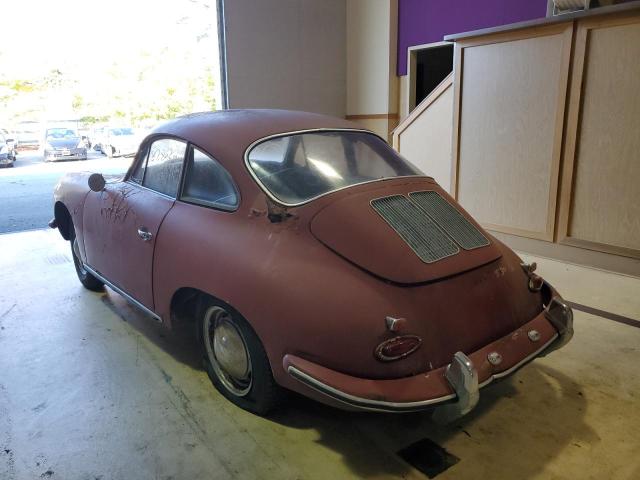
208 183
138 172
164 164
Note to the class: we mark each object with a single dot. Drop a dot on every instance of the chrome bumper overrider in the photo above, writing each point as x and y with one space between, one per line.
463 377
561 317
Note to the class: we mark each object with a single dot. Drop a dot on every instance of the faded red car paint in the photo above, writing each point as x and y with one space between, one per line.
317 286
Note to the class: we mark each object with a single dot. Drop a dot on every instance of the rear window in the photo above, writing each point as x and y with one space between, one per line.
299 167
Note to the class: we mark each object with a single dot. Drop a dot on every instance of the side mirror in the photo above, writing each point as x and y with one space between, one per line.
96 182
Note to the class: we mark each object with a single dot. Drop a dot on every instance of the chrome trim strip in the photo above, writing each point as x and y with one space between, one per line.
313 130
117 289
363 403
367 404
134 184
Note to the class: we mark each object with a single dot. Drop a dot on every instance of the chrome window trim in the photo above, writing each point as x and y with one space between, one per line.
211 206
313 130
147 142
131 182
183 179
119 290
136 162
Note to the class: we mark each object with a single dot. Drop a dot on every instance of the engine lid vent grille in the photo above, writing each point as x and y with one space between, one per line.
449 219
418 230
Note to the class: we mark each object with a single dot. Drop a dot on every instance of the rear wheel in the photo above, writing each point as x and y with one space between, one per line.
89 281
235 359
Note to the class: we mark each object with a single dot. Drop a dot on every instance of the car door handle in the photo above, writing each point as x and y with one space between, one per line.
145 234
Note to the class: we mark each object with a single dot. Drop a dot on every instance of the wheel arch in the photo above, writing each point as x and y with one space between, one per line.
63 219
187 302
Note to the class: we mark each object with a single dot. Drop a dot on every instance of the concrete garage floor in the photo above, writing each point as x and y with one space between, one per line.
92 389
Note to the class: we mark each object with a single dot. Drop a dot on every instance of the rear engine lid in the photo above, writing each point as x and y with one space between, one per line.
409 232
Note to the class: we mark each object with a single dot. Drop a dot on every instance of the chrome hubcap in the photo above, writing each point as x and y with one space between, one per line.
227 351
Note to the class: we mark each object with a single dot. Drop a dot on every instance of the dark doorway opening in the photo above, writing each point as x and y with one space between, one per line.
432 67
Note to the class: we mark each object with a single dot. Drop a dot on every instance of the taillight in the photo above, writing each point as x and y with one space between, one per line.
397 347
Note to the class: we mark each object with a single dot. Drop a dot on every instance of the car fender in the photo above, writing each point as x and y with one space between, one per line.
71 191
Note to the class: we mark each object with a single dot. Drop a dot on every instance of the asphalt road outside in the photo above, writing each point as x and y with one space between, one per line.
26 189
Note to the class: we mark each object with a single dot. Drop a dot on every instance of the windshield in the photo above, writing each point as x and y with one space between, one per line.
299 167
61 133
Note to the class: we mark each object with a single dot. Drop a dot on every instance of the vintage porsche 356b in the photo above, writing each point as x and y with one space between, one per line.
313 258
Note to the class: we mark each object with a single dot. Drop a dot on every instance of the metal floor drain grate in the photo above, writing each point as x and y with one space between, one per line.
428 457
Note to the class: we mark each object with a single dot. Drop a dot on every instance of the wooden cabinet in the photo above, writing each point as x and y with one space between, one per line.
546 130
600 202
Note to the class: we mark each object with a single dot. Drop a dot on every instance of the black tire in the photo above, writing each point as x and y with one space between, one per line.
258 392
88 281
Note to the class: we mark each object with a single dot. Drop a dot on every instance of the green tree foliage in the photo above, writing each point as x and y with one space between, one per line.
138 86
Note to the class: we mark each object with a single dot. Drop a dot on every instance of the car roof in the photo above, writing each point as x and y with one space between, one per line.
226 134
230 132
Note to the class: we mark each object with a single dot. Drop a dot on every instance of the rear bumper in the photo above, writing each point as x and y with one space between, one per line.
455 386
60 155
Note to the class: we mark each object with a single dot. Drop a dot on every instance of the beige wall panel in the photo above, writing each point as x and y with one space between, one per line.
427 142
368 63
286 54
509 102
606 196
403 108
381 126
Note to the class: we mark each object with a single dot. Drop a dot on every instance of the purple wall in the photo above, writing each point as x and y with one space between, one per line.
427 21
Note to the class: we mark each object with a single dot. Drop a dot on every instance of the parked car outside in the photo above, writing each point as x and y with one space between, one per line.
63 143
28 135
7 151
310 257
10 137
119 141
97 137
85 137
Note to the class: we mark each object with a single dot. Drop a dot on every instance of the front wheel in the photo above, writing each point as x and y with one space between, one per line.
89 281
235 359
